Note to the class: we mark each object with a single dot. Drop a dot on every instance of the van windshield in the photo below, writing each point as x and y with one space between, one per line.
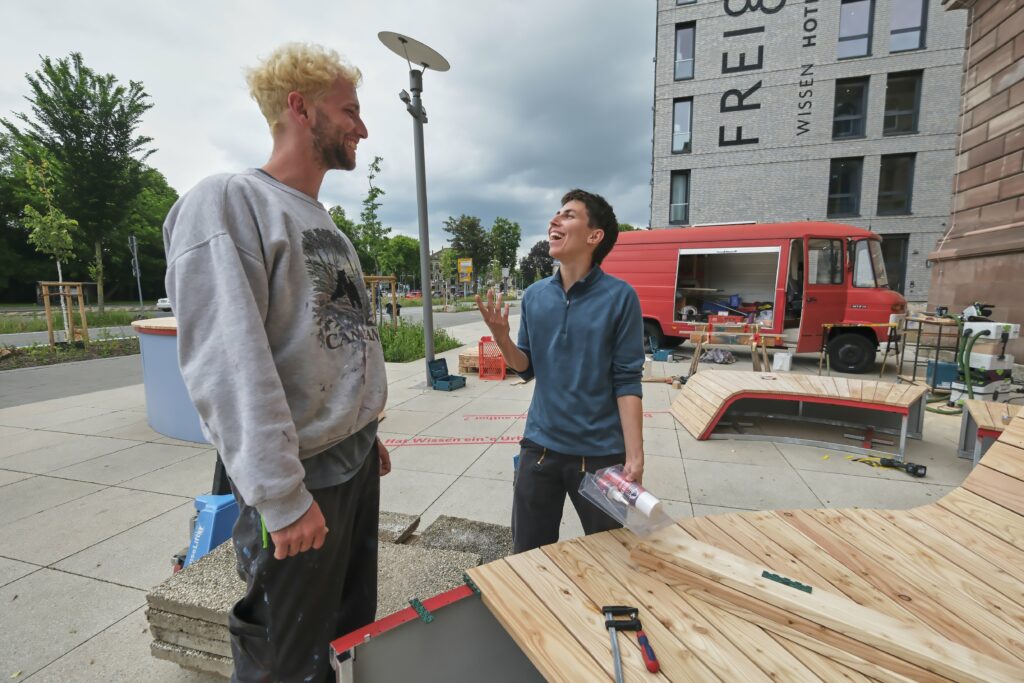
868 264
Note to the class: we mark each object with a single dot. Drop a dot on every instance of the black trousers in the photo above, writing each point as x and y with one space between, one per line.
294 608
542 481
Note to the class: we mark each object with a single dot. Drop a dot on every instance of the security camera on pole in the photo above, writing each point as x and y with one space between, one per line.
416 52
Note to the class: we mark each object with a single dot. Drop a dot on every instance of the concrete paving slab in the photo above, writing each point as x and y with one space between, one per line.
457 425
754 486
119 654
32 439
944 467
512 388
206 590
677 509
138 430
202 663
51 419
189 639
101 423
35 494
666 478
409 421
760 453
190 477
705 510
399 395
840 491
180 442
60 531
211 637
12 570
65 454
660 420
486 500
394 527
490 541
412 492
411 572
11 431
441 402
9 477
663 442
40 623
495 463
446 459
139 557
126 464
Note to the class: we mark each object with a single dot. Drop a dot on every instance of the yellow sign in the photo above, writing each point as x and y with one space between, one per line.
465 270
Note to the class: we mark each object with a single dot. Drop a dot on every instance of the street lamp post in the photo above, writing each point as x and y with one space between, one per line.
415 52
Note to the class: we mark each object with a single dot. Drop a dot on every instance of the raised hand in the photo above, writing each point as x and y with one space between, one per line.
494 315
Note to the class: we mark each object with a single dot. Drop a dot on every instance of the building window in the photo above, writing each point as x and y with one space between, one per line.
855 19
684 51
844 187
851 108
902 96
895 184
682 123
908 18
679 199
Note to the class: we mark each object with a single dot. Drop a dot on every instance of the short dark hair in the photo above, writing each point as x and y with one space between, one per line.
601 215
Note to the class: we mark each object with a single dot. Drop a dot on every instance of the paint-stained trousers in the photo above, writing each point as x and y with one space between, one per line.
294 608
542 481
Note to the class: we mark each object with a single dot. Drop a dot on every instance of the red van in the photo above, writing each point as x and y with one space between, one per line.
790 278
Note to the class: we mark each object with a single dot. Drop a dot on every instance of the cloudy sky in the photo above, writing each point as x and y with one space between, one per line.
543 95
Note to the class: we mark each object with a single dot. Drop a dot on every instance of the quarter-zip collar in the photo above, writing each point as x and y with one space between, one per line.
580 286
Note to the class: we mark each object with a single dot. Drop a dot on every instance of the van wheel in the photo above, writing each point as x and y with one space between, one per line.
851 352
652 329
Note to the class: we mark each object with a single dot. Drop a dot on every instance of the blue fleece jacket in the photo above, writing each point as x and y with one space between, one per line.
586 349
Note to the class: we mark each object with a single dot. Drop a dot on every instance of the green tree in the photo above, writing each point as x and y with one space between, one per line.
354 234
505 238
401 257
470 240
20 263
86 123
49 231
450 265
626 227
372 233
538 263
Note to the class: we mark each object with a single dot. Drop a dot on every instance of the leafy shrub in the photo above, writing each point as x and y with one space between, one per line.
405 342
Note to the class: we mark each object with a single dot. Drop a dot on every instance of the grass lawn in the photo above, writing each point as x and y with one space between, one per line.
36 322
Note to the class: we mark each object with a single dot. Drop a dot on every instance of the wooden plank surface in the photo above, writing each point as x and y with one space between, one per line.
982 541
1005 458
674 555
538 632
997 487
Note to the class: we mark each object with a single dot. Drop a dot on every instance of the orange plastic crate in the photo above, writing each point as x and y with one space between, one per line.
492 363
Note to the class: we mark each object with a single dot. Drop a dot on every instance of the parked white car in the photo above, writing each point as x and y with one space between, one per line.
163 304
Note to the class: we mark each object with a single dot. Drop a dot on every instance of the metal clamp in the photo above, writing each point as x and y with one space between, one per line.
786 582
421 610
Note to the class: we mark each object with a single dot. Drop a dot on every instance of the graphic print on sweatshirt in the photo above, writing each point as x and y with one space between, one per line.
341 308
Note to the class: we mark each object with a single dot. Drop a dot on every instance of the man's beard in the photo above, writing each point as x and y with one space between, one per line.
331 150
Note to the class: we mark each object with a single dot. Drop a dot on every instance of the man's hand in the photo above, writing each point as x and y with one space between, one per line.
495 317
308 531
384 456
633 470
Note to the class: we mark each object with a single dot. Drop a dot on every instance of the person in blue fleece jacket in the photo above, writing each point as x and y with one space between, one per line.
581 338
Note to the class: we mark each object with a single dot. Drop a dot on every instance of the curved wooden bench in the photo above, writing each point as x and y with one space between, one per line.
706 396
935 593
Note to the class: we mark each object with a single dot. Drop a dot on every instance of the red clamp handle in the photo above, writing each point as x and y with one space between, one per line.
650 660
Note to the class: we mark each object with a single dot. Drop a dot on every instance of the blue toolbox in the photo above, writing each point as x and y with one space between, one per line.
442 381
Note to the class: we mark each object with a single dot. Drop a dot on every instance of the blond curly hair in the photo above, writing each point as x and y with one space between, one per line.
304 67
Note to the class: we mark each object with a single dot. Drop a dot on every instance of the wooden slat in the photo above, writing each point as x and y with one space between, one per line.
843 387
969 534
981 512
686 619
1007 459
963 555
863 629
830 669
1014 432
556 653
678 663
896 586
997 487
989 629
844 578
578 614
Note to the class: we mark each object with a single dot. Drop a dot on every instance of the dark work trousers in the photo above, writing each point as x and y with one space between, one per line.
542 481
294 608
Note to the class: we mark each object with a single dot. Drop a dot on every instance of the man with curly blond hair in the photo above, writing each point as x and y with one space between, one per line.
282 359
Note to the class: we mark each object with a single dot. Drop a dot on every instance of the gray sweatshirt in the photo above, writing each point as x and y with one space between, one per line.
276 340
